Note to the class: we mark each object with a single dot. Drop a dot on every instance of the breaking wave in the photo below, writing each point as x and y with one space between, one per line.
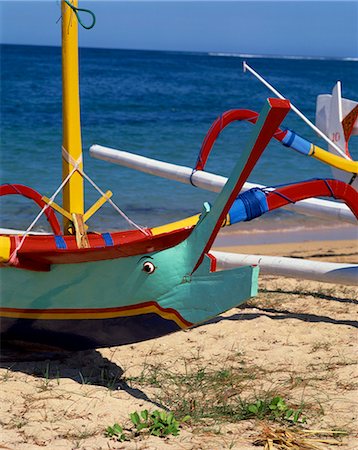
249 55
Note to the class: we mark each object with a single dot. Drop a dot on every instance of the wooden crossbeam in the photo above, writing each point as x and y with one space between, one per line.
57 208
95 207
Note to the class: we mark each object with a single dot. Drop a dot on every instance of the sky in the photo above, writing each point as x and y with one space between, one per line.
298 28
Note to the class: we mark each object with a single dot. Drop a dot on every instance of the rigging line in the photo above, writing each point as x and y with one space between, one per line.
13 255
76 163
110 201
13 187
296 110
52 198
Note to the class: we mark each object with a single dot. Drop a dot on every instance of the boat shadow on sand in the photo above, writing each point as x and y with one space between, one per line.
276 313
92 368
279 314
88 367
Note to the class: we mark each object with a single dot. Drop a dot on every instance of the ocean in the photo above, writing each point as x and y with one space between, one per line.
157 104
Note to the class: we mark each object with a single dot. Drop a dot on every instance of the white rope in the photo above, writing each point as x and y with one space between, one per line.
30 227
75 163
68 158
296 110
143 230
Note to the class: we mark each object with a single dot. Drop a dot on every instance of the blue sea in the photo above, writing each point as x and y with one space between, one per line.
157 104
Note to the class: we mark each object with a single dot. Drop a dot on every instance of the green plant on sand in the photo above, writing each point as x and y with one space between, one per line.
218 394
115 432
274 409
156 423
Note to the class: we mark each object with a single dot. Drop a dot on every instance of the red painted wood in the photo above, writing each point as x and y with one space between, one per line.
39 252
278 111
213 262
25 191
315 188
220 123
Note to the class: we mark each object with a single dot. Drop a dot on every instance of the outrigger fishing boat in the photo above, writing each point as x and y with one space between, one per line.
75 288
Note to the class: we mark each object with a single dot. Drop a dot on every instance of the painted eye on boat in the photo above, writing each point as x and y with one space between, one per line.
148 267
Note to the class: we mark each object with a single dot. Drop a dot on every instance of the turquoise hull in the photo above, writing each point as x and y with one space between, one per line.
133 298
66 308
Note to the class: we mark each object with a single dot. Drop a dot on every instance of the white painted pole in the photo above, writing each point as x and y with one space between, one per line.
325 272
296 110
324 209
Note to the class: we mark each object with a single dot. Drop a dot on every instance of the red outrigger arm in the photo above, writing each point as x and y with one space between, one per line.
258 201
315 188
25 191
220 123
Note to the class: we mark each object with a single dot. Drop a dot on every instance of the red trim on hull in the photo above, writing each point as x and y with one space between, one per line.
213 264
39 252
94 311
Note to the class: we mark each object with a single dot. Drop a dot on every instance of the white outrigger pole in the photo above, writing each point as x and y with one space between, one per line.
325 272
324 209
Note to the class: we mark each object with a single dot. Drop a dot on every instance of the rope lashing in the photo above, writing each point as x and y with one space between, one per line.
288 199
248 206
191 178
329 188
254 203
353 178
76 10
76 163
69 159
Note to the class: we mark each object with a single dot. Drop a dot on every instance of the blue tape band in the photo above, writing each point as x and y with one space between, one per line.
60 242
288 139
248 206
296 142
107 239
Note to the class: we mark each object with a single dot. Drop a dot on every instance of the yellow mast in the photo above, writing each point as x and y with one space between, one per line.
73 191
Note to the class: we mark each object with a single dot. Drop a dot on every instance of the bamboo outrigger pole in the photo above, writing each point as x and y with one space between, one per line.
73 191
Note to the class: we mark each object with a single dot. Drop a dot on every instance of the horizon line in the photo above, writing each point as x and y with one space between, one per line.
205 52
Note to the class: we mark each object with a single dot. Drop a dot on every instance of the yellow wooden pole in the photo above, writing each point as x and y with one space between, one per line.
73 191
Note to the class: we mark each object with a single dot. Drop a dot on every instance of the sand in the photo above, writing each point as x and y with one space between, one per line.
296 340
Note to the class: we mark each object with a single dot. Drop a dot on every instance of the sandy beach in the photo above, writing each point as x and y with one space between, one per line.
296 340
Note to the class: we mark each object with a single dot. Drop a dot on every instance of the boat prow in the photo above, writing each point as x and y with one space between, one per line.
143 286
